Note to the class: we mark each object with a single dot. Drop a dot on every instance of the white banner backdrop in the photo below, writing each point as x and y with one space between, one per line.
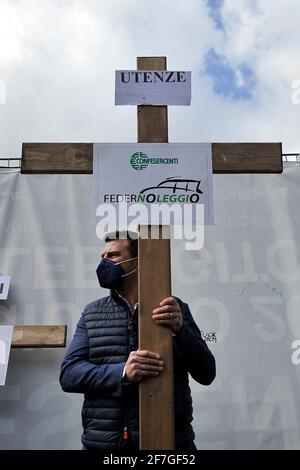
243 290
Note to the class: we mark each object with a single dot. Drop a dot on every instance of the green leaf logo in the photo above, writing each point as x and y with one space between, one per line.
139 161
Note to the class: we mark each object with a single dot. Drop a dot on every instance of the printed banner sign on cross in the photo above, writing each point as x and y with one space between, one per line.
6 333
152 87
153 184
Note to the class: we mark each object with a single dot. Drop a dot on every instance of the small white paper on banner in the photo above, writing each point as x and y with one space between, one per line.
152 87
4 287
130 179
6 332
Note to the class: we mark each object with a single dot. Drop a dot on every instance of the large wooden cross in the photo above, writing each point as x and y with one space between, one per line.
156 396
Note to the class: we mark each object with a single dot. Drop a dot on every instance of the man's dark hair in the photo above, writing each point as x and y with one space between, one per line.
132 238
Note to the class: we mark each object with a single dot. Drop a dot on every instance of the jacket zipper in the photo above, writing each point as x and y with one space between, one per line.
125 430
125 434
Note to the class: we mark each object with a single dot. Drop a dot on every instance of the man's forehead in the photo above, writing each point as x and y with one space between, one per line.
116 245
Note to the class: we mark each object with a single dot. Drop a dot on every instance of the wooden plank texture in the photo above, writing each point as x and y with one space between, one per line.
226 157
57 158
39 336
247 158
156 394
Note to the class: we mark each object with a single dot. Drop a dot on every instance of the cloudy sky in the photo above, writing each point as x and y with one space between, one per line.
58 57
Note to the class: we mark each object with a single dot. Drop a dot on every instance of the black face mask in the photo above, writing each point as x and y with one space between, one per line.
110 274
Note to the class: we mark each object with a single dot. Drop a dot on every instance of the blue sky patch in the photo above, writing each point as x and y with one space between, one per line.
214 7
236 84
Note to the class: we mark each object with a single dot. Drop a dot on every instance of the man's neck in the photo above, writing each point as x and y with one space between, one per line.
130 292
130 297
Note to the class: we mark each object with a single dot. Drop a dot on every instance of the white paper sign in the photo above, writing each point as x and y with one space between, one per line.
4 287
154 175
152 87
6 332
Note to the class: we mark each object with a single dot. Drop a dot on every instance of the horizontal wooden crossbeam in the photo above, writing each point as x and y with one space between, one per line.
39 336
57 158
247 158
78 158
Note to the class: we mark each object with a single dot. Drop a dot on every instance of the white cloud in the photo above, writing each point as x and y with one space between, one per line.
57 61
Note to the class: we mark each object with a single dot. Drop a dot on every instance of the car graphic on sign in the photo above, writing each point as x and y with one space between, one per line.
177 184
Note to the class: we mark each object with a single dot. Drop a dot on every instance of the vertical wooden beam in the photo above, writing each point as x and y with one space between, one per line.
152 120
156 394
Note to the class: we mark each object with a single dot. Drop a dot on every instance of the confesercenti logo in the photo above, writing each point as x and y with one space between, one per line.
139 161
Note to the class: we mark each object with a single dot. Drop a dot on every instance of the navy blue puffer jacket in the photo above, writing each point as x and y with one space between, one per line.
94 363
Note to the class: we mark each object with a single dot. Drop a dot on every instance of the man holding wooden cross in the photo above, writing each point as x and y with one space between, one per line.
105 363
